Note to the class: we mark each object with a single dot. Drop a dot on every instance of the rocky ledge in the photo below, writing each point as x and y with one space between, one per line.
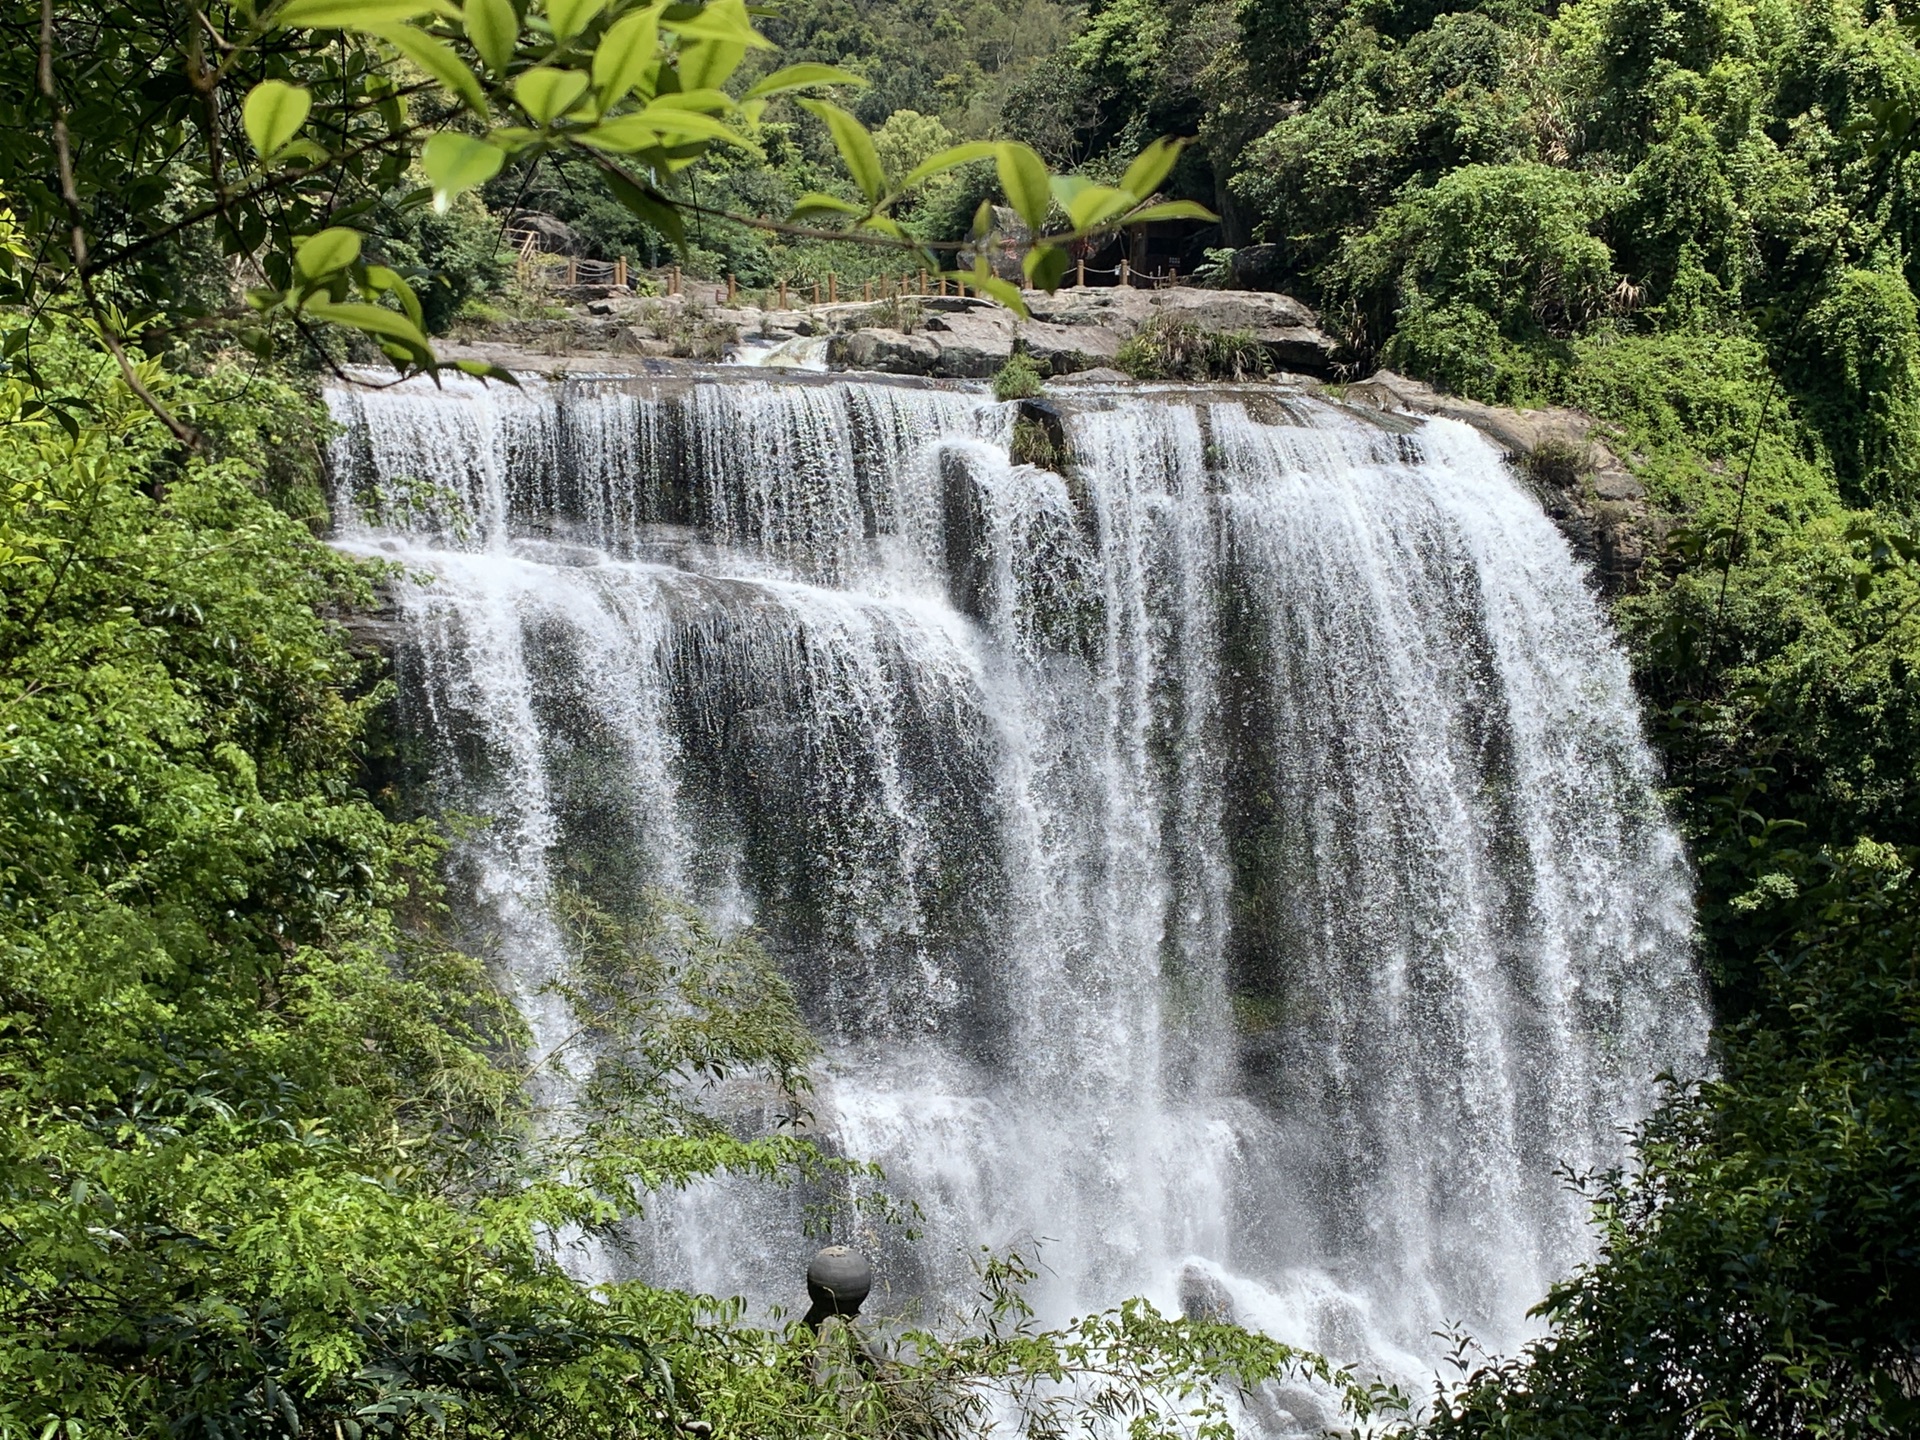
957 337
1584 487
1074 330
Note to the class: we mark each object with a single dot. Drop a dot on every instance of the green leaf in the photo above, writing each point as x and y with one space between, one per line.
1150 167
1170 210
486 371
989 284
546 93
1023 176
627 52
436 60
382 281
650 207
1088 205
623 136
665 124
330 250
373 319
816 203
724 22
494 30
570 17
354 14
709 62
799 77
456 162
855 145
951 158
708 100
273 115
1046 266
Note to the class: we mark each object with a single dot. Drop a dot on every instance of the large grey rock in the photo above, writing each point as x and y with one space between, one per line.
887 351
1257 267
1063 349
1099 375
1069 331
970 345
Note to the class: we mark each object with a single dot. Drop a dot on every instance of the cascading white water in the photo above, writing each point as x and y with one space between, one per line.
1231 864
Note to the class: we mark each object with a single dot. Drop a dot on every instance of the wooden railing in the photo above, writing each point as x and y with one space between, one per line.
545 270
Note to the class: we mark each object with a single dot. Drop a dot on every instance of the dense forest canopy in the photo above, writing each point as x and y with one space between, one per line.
267 1160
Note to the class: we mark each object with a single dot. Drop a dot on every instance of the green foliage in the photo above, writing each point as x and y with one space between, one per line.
341 103
1490 259
1173 347
1019 379
1758 1276
952 58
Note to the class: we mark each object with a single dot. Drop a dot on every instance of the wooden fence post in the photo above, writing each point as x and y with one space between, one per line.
923 281
673 281
1125 278
573 272
833 288
1080 273
783 292
620 272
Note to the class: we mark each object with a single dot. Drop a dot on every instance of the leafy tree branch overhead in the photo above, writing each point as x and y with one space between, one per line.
288 127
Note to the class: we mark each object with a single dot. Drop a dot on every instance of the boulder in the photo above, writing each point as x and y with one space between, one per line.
887 351
1063 349
965 338
970 345
1257 267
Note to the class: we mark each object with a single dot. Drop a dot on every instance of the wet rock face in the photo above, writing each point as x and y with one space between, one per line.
1582 485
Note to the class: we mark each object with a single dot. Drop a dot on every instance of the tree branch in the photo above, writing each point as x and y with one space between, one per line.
77 241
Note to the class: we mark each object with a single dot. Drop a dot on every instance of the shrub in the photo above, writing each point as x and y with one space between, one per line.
1173 347
1019 378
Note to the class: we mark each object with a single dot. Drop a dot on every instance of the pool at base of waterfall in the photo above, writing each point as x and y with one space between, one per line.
1224 868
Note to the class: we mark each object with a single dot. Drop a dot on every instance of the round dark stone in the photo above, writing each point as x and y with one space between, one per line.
838 1280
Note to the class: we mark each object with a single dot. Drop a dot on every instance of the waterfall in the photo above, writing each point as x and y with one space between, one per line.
1230 864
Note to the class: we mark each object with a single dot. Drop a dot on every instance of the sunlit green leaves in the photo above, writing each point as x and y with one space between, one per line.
373 319
627 55
1045 267
546 93
355 14
802 77
1151 167
722 22
855 145
436 60
950 159
816 203
570 17
456 162
273 115
1088 205
330 250
1023 176
494 30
